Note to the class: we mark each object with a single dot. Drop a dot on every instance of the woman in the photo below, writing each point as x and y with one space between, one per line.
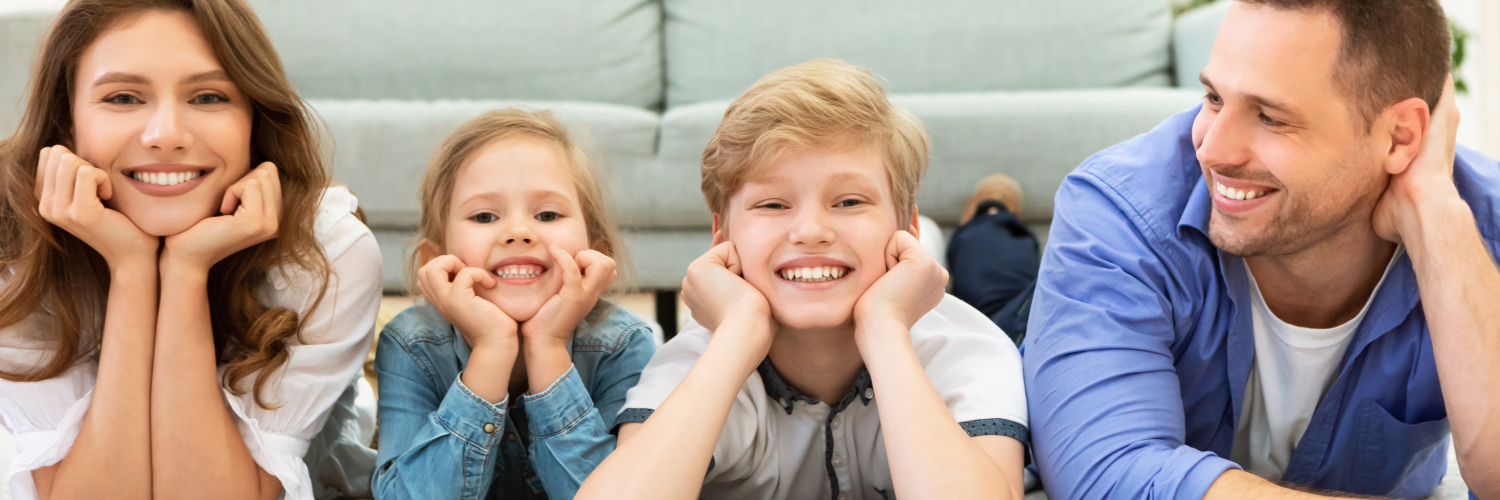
182 296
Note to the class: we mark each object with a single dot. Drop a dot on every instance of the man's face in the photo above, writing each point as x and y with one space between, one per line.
811 231
1287 158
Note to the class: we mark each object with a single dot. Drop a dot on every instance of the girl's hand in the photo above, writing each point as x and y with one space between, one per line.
71 191
253 208
560 315
449 287
715 290
911 286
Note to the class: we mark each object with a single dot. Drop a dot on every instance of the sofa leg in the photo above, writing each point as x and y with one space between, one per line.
666 312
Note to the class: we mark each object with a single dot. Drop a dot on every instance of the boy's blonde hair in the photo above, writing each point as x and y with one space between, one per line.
821 102
497 125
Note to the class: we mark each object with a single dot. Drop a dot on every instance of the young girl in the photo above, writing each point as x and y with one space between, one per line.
505 381
182 296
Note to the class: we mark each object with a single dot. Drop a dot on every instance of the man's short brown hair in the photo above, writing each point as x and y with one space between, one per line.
823 102
1391 50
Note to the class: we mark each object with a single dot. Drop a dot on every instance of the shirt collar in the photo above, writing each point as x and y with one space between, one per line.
781 391
1199 206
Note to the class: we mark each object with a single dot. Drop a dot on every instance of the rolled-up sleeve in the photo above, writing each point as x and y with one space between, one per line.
1106 407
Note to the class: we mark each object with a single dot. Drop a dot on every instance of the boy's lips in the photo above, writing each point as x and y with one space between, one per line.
520 270
813 273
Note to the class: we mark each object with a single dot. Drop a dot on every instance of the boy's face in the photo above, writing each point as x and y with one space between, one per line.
811 231
510 201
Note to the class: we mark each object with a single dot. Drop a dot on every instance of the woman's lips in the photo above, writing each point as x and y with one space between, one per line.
166 180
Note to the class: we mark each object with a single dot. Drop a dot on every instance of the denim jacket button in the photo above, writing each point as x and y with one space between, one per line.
489 428
511 437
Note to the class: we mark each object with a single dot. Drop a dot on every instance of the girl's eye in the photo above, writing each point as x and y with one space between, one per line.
484 218
548 216
206 99
849 203
122 99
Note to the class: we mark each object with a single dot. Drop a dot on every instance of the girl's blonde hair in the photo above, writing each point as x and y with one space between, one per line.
57 273
823 102
497 125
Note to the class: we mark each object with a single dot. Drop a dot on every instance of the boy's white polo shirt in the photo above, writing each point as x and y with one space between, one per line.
778 443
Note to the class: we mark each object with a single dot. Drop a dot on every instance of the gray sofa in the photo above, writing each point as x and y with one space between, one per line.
1029 88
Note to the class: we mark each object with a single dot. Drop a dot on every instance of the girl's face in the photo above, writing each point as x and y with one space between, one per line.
511 201
153 107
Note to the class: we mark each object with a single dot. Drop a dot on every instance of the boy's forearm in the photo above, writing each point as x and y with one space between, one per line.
930 454
668 455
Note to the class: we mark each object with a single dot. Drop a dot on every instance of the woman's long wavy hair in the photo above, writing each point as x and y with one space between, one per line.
57 274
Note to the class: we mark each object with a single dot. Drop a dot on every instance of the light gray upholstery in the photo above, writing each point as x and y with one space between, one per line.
575 50
715 49
1193 38
21 35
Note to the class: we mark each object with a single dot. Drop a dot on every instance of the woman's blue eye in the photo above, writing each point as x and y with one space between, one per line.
484 218
548 216
209 99
122 99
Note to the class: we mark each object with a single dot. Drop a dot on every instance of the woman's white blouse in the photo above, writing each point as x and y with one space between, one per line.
44 417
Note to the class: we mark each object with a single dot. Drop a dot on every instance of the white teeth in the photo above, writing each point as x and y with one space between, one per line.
166 178
812 274
519 271
1237 194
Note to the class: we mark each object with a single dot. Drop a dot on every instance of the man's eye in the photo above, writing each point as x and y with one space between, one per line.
484 218
1213 99
122 99
205 99
1269 122
548 216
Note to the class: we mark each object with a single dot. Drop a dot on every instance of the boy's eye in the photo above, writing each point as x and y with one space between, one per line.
205 99
772 206
484 218
122 99
548 216
849 203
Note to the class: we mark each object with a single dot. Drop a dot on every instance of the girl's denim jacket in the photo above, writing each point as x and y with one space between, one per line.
438 440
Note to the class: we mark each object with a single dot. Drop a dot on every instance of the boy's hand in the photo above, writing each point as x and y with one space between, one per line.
70 193
714 291
449 287
912 285
252 208
555 322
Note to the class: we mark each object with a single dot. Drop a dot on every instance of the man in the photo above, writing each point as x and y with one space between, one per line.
1287 291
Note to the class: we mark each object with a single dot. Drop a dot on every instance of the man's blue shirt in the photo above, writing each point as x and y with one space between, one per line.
1141 342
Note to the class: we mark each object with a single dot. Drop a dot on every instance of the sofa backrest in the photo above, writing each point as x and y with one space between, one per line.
715 49
564 50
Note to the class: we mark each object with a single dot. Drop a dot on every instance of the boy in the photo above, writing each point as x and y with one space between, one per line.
815 303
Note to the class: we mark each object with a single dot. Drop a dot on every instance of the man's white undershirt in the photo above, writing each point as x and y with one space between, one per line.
1292 370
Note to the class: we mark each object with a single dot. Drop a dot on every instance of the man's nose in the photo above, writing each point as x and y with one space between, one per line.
1226 140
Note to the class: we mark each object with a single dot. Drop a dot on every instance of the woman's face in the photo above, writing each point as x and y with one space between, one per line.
153 107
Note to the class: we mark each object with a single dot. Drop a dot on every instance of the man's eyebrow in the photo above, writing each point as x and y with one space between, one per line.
117 77
1266 102
208 76
1204 80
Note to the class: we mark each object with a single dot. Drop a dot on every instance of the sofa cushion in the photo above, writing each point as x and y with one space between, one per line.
1037 137
716 49
21 34
381 148
571 50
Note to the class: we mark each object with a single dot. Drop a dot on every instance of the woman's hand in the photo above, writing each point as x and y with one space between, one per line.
584 281
71 194
252 208
449 288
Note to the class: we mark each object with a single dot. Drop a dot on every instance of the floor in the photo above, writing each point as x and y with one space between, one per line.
643 305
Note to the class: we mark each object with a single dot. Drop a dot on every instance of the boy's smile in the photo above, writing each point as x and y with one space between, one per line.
811 230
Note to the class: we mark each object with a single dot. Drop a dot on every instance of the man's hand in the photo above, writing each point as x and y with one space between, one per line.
1428 178
449 287
70 191
715 290
252 215
912 285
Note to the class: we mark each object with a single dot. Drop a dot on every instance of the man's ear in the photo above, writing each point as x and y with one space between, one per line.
1407 128
428 250
916 226
719 236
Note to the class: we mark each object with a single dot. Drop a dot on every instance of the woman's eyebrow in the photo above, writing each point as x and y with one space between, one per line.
217 75
118 77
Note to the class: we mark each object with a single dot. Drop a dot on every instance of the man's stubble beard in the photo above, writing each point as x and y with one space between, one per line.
1296 226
